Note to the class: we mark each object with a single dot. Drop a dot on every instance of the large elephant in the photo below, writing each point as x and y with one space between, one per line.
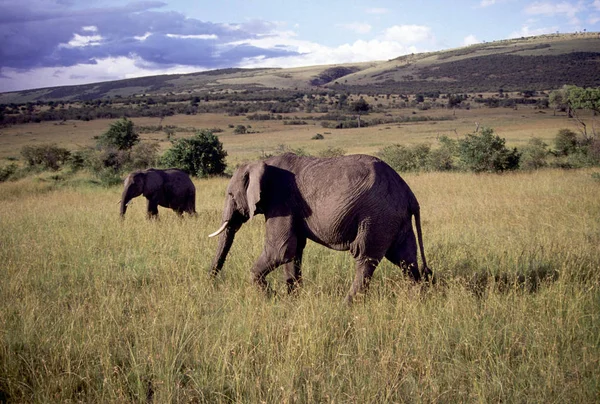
355 203
171 188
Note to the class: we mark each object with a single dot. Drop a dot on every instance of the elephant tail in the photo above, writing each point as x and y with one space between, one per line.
416 211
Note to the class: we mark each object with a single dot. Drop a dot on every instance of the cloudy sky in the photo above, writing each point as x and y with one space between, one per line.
47 43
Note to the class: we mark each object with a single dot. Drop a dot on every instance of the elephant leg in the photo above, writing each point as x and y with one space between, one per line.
191 206
364 271
152 209
403 253
293 270
281 245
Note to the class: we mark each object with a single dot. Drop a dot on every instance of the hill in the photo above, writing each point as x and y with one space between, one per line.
533 63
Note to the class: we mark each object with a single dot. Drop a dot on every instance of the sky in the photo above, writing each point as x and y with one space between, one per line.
46 43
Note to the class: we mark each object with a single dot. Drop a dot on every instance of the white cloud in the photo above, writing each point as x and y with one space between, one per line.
90 28
359 28
564 8
103 70
526 31
470 40
593 19
486 3
552 9
408 34
200 36
359 51
377 10
393 42
143 37
80 41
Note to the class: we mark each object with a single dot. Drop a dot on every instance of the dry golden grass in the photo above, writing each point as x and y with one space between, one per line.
95 309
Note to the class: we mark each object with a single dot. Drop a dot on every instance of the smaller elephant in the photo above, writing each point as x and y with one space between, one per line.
171 188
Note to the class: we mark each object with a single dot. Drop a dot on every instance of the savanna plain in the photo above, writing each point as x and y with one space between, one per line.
98 309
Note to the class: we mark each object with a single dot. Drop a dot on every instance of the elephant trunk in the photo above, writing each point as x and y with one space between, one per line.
232 221
225 242
125 200
123 206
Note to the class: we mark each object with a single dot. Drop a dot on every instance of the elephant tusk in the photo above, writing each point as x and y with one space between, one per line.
221 229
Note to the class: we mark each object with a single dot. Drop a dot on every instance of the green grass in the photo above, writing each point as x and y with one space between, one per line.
94 309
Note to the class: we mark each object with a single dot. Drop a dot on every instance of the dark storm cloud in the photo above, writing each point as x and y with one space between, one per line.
35 33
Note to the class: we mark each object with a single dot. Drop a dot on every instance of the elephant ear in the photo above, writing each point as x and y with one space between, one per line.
256 178
152 182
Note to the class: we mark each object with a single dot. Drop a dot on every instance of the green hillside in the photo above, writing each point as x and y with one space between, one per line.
533 63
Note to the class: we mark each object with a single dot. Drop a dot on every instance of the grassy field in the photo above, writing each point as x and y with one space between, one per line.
517 126
95 309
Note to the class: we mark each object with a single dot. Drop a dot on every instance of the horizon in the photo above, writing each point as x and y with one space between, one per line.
65 43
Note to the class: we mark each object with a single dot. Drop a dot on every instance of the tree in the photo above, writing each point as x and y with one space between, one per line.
47 156
565 142
360 106
121 135
534 154
487 152
200 155
574 98
558 99
240 130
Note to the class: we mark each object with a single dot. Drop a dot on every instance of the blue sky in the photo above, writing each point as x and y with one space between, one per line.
47 43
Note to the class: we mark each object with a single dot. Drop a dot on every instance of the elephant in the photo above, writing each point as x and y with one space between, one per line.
356 203
171 188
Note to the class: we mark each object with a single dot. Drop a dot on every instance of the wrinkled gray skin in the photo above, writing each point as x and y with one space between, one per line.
356 203
170 188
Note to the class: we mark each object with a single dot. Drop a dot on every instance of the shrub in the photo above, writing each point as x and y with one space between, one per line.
239 130
486 152
200 155
109 158
144 155
406 158
565 142
594 150
121 135
45 156
534 154
7 171
80 159
443 158
318 136
332 152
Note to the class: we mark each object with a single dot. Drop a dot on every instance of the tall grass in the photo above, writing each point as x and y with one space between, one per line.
98 310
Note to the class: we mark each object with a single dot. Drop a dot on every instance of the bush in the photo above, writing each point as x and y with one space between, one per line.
487 152
121 135
144 155
318 136
80 159
332 152
45 156
594 150
200 155
444 157
406 158
565 142
109 158
534 154
239 130
7 171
